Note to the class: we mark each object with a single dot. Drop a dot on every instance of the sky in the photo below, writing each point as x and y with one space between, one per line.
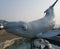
27 10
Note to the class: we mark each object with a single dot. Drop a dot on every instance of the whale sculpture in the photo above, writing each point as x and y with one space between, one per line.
34 28
41 28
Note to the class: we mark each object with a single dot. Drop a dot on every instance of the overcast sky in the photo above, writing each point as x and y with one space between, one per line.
26 10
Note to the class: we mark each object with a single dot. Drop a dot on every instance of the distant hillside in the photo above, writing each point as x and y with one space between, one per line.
6 36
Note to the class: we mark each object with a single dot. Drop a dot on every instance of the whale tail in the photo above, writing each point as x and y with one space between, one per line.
54 3
51 6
